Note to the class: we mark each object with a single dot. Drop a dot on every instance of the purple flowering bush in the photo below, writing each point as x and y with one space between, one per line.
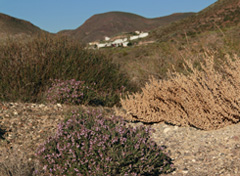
70 92
89 144
79 92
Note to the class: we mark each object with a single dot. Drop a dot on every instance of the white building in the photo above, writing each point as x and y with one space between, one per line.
125 44
109 44
118 41
93 43
134 37
107 38
137 32
142 35
101 45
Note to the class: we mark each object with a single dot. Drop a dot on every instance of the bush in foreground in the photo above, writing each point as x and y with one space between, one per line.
205 99
89 144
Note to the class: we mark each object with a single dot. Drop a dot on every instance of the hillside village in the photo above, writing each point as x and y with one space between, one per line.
119 41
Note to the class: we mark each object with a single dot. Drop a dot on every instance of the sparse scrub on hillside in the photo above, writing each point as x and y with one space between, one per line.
26 68
155 59
205 98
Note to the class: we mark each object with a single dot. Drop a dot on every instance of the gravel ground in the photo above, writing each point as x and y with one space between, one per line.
194 152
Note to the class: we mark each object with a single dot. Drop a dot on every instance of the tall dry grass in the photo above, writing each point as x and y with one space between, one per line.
205 98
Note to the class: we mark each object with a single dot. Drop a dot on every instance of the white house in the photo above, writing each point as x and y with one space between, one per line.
125 44
93 43
108 44
134 37
107 38
118 41
101 45
142 35
137 32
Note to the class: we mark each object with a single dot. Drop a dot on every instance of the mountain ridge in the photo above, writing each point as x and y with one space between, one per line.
11 26
221 14
111 23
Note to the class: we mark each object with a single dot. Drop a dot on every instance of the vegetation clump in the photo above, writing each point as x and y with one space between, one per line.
79 92
203 98
27 68
89 144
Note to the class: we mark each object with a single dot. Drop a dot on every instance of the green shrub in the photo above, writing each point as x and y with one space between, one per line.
27 67
89 144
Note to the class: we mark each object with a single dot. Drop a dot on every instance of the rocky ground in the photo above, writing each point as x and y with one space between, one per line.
26 126
194 152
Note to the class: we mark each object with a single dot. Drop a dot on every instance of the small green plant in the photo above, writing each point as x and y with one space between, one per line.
89 144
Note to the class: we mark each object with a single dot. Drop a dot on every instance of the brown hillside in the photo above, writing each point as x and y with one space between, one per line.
112 23
13 26
214 28
221 14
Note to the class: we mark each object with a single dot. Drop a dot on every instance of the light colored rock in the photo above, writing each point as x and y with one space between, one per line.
41 106
33 105
59 105
166 130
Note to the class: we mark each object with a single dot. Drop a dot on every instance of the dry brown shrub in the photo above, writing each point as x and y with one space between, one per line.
204 99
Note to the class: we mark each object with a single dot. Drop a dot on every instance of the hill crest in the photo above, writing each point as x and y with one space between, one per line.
10 26
219 15
111 23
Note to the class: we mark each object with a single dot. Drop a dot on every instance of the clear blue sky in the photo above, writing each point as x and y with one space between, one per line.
56 15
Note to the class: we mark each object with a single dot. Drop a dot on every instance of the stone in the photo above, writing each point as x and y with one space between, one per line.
166 130
59 105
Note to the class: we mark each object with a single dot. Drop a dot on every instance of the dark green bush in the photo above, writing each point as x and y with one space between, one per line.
27 67
89 144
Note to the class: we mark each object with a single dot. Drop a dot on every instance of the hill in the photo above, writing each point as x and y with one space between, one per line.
112 23
215 28
222 14
10 26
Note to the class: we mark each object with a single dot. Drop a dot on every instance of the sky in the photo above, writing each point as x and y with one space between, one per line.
56 15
